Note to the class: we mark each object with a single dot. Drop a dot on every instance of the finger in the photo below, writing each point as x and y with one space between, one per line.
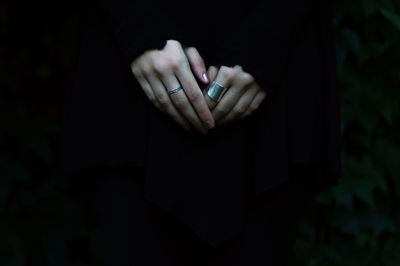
241 106
164 100
195 96
255 104
239 84
238 67
224 78
212 74
197 64
182 103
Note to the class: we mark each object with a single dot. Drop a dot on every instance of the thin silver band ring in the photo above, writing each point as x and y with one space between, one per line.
174 90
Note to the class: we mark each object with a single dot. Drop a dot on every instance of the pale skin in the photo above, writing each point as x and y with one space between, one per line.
175 65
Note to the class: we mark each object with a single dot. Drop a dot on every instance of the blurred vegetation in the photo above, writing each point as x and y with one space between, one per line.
354 223
358 221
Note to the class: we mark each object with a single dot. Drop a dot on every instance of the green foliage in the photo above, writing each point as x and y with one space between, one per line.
354 223
357 222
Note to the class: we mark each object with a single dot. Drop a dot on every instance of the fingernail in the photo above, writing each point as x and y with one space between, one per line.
205 77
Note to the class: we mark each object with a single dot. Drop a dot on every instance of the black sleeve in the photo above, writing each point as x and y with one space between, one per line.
139 25
260 41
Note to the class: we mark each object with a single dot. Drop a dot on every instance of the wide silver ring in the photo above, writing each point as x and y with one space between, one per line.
174 90
216 91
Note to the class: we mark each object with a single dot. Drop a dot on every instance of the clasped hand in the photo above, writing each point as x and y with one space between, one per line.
159 71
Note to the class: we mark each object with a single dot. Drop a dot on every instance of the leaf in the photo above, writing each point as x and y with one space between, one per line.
379 222
392 17
343 197
344 219
351 39
362 177
375 220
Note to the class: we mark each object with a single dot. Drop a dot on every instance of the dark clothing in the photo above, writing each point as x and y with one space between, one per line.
137 233
286 45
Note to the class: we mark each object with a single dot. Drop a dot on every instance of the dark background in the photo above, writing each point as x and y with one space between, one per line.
354 223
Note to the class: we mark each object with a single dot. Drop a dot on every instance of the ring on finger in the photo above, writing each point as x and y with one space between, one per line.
216 91
174 90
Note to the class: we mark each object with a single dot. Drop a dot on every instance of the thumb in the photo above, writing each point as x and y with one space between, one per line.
197 64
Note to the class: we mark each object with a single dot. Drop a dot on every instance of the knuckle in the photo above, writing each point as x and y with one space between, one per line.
224 68
151 56
145 71
191 49
247 78
136 72
227 73
176 62
160 66
239 110
238 67
163 100
220 112
173 42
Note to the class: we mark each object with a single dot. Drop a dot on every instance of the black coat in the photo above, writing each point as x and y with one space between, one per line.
207 181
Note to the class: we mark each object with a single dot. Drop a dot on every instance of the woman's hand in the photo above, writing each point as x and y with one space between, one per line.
159 71
241 99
